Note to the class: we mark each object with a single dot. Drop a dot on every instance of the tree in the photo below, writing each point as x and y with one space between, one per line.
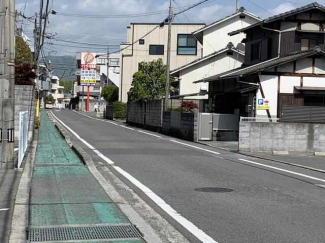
67 84
149 81
110 93
24 74
49 99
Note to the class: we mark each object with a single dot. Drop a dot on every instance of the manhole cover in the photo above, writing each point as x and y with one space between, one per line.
213 189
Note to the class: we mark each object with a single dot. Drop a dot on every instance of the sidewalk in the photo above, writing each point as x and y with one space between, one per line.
67 202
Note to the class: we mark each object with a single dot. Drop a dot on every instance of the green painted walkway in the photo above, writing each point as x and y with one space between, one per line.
64 192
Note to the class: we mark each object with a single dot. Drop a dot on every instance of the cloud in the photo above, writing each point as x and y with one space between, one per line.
283 7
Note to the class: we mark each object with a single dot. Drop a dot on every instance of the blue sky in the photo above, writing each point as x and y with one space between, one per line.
113 31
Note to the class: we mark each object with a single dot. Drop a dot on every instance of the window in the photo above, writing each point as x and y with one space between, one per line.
156 50
256 51
186 45
141 41
308 44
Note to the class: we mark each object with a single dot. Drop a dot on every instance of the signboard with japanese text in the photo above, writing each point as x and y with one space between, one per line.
263 104
88 75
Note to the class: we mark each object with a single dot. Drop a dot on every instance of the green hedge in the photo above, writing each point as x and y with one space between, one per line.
119 110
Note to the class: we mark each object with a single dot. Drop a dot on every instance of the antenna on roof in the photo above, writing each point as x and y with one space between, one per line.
237 5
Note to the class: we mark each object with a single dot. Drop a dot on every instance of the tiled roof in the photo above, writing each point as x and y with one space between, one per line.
305 8
240 72
241 10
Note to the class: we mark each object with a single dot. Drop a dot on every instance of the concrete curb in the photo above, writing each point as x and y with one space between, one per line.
132 215
20 218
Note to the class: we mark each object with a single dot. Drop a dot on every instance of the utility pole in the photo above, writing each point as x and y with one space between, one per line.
237 1
7 82
107 74
167 86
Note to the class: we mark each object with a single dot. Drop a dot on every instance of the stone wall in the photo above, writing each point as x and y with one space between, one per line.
182 125
145 113
24 101
291 137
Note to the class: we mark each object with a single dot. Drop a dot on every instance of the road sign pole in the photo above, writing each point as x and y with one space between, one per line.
88 98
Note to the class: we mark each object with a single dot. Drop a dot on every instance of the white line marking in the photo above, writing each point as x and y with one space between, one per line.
110 162
206 150
4 209
158 200
154 135
288 171
168 209
127 127
74 133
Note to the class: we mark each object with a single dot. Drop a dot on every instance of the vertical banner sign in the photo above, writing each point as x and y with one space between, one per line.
88 69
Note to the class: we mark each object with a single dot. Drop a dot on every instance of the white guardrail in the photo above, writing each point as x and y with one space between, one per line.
259 119
23 136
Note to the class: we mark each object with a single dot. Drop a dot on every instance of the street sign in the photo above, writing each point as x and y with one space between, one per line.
263 104
88 73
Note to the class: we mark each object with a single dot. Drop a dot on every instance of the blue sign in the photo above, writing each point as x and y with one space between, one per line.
260 101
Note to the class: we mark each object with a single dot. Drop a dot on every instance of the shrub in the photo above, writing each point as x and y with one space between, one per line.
119 110
110 93
188 106
37 122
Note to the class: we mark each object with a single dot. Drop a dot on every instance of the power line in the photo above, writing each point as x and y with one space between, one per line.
259 7
117 15
82 43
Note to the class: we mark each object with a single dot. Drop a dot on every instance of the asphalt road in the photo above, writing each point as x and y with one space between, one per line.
264 201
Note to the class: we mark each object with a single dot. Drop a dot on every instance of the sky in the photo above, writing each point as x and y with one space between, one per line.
112 31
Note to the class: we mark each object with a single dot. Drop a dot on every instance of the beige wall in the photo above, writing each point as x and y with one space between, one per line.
137 53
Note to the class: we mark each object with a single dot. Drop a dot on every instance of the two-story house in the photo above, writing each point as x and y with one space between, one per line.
221 52
148 42
284 66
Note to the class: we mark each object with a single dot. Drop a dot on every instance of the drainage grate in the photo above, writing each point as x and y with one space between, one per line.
213 189
102 232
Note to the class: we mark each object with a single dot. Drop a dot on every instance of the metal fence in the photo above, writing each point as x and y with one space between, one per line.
23 136
225 122
315 114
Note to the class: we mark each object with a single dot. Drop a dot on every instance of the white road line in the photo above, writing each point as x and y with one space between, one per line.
192 146
74 133
198 233
127 127
4 209
110 162
167 208
154 135
287 171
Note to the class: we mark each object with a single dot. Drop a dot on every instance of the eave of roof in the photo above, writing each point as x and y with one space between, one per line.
199 60
239 12
241 72
302 9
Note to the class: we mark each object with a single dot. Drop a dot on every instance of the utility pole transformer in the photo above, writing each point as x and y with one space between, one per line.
7 82
167 87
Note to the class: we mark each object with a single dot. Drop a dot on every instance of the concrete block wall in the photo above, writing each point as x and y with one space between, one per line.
145 113
182 125
24 101
291 137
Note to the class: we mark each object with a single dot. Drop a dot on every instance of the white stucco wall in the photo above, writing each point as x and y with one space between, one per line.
206 69
314 82
269 84
287 84
217 38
